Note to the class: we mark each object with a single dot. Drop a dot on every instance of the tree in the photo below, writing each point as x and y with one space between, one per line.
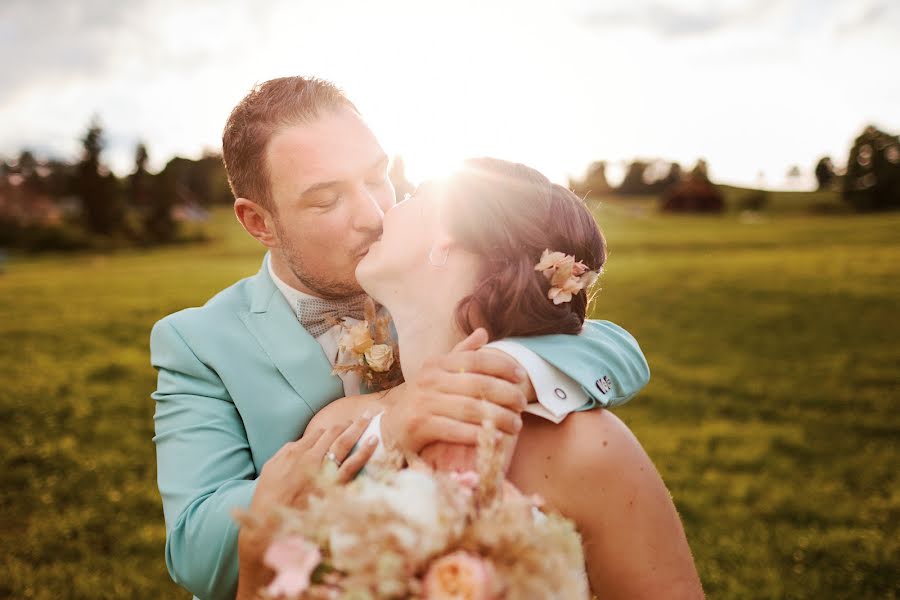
159 224
794 177
694 193
26 163
634 182
700 171
97 187
139 182
27 167
825 172
872 181
672 178
60 182
594 183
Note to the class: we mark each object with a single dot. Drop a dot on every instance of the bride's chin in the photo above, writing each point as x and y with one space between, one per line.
363 274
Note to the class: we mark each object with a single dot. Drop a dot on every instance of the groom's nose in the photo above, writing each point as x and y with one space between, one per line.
367 212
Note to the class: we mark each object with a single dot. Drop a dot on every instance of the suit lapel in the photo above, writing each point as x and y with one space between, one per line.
290 347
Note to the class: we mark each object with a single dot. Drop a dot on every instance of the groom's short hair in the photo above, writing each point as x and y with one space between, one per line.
268 108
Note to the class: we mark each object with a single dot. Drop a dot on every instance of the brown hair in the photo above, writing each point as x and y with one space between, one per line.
508 214
268 108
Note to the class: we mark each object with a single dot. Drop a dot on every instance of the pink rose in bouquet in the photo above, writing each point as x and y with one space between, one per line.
460 576
293 559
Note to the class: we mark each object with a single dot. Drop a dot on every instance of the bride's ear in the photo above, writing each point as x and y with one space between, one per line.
442 242
440 249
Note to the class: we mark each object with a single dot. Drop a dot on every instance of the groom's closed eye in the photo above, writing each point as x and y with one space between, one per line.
324 200
323 196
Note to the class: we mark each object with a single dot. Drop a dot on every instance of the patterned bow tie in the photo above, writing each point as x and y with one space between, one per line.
317 315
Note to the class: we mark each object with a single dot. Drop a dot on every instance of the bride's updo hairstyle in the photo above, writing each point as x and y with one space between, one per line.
508 214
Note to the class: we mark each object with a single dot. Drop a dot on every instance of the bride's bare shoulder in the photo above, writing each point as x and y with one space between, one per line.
588 431
591 446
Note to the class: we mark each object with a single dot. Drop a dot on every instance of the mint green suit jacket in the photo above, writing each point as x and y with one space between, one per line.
240 377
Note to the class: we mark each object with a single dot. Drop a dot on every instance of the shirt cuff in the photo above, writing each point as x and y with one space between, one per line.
374 429
557 393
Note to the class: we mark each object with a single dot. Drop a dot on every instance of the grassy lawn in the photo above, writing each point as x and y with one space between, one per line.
771 412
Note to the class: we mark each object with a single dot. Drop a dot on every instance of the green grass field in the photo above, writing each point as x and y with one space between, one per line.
771 413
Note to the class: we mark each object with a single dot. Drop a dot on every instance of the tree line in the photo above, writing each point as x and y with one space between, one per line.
58 205
870 182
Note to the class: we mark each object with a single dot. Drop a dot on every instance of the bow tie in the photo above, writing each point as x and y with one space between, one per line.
317 315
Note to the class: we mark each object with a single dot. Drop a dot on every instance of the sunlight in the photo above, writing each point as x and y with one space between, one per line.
428 165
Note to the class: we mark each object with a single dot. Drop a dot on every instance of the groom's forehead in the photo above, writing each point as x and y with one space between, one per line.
331 148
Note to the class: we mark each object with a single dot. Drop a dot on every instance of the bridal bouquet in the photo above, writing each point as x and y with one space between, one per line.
421 534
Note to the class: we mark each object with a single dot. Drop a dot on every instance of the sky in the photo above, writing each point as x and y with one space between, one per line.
752 86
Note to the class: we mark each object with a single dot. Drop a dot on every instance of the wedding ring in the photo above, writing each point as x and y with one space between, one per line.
331 456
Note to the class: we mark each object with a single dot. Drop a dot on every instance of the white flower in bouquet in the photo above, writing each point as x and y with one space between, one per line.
415 499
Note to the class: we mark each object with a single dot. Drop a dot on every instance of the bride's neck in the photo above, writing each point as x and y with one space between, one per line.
426 322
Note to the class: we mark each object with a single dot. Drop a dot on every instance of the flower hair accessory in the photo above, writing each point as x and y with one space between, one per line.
566 276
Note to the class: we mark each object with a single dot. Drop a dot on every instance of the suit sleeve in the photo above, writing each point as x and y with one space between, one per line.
604 360
204 467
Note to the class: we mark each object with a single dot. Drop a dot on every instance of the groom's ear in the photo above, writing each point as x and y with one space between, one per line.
257 221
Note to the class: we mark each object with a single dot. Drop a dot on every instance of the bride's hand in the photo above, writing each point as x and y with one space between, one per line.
452 395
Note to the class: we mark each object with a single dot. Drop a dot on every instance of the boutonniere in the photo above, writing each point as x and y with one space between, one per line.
367 348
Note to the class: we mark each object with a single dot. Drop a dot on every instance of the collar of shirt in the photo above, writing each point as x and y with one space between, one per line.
292 295
328 340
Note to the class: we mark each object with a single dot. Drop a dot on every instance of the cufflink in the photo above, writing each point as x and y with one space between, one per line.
604 385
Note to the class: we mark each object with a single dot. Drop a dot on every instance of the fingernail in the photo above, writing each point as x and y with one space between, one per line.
371 440
518 424
521 374
367 414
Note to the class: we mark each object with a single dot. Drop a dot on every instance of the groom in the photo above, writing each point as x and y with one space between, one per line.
243 375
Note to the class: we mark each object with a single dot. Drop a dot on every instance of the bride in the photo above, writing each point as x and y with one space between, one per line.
496 248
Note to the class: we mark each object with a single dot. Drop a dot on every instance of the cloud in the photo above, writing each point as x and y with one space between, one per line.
686 18
143 66
62 40
168 73
865 16
674 19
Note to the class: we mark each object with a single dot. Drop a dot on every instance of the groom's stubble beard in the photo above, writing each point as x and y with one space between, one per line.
322 286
